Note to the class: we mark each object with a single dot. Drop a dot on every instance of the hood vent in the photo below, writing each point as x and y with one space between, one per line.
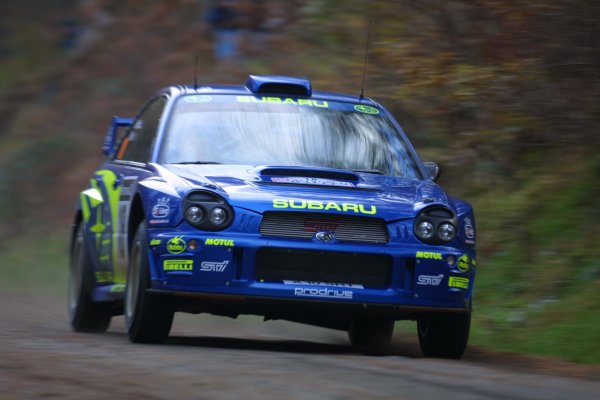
310 173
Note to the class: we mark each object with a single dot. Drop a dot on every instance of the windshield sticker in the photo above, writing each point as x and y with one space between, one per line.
280 100
197 101
201 98
366 109
311 181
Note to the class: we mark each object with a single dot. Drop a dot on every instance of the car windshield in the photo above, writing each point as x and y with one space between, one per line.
248 130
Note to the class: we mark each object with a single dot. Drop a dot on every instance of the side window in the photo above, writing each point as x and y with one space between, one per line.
137 144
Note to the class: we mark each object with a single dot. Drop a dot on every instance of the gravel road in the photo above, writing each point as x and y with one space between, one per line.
216 358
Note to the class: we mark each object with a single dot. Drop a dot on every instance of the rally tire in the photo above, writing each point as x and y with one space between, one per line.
84 314
371 335
148 318
444 336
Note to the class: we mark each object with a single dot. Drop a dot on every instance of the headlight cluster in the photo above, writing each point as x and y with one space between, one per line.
435 225
207 211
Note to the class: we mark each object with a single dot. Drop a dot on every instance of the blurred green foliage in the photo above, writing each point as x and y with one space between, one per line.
504 95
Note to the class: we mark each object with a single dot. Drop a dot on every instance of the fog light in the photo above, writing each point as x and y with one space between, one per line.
192 244
451 260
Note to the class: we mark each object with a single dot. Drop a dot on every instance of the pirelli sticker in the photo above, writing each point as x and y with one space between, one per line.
458 282
178 265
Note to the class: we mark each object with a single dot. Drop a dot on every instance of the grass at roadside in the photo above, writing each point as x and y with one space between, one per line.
37 262
567 327
538 284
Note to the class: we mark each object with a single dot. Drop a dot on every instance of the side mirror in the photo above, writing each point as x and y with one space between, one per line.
110 140
433 170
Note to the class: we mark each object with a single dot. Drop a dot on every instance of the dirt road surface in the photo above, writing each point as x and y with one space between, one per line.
215 358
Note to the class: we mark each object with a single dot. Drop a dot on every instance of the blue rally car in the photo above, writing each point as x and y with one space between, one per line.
271 199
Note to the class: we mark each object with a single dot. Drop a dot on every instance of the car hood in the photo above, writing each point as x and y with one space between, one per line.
270 188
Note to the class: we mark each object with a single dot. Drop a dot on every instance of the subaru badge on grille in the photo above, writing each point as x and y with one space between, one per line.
325 236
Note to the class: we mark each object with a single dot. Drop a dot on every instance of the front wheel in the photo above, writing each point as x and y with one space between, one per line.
371 335
444 336
84 314
148 318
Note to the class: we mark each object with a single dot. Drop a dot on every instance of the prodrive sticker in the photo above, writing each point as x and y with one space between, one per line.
324 292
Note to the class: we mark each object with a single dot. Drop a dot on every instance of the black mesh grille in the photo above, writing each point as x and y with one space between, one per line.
369 270
304 226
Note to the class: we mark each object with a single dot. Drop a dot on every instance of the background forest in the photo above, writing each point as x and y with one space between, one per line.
503 94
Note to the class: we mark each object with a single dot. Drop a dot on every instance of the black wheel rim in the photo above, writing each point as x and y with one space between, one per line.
133 284
76 274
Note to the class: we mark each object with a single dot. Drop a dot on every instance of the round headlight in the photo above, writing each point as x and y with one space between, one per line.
217 216
194 214
425 230
446 231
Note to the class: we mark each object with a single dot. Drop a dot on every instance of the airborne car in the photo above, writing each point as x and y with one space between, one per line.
271 199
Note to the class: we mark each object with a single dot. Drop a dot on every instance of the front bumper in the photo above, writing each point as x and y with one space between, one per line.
416 278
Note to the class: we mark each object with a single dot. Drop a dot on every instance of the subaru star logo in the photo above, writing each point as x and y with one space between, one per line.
325 236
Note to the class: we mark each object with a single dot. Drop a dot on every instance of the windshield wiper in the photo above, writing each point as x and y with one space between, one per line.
369 171
197 162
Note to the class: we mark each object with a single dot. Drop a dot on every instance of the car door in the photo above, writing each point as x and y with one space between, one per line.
117 181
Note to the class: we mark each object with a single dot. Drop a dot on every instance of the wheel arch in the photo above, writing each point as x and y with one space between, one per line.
77 220
136 216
